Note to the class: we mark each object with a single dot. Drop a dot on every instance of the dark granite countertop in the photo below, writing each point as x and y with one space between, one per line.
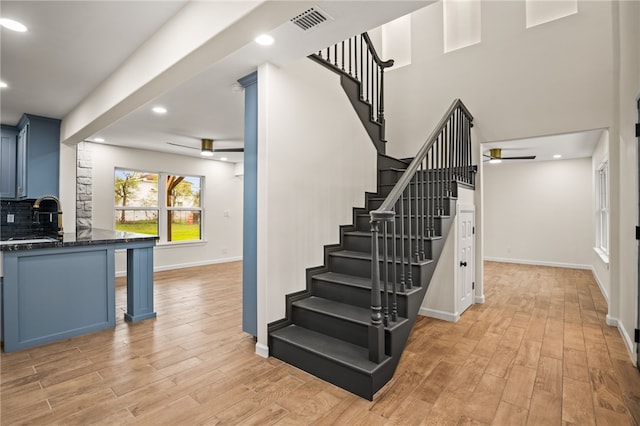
83 237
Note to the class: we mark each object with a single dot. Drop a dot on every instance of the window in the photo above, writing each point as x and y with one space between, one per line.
543 11
160 204
396 42
462 23
602 209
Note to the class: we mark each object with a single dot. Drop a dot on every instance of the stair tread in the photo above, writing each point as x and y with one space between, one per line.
444 216
449 197
342 352
366 255
340 310
365 233
344 279
356 281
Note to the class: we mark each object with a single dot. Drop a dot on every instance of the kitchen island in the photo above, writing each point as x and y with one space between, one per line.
54 289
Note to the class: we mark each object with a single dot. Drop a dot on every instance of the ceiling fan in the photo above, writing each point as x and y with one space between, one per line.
495 156
206 147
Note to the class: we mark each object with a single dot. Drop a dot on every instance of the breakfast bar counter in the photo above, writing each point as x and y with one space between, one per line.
54 289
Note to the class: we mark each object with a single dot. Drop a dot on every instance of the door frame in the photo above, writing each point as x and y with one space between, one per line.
638 240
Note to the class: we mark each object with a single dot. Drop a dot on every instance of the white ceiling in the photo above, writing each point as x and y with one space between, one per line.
568 145
72 46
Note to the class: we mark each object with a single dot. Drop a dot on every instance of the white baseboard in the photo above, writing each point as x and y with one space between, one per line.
602 290
614 322
187 265
262 350
539 263
441 315
479 299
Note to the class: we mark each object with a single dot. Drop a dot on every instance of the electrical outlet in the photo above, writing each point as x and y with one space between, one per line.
10 218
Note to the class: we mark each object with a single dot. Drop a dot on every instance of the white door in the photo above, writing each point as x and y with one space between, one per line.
466 225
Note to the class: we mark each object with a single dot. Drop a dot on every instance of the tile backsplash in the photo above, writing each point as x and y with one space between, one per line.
18 219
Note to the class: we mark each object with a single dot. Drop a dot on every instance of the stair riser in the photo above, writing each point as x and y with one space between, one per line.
356 296
352 380
363 224
447 205
331 326
438 188
362 268
389 176
363 243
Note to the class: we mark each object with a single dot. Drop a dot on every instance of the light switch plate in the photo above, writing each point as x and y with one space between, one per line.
10 218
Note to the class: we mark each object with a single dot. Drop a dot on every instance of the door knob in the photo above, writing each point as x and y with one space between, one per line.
463 263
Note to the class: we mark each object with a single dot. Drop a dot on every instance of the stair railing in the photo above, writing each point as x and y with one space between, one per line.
357 58
415 201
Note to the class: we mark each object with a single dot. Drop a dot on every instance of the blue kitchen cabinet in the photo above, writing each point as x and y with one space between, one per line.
8 161
37 157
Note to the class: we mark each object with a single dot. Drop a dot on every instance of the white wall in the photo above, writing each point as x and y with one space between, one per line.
517 82
600 265
222 191
315 162
539 212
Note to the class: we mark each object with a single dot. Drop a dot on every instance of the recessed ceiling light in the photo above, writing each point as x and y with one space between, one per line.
264 40
159 110
98 140
557 156
495 161
223 158
3 84
12 25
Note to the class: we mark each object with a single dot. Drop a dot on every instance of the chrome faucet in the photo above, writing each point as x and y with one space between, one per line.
36 206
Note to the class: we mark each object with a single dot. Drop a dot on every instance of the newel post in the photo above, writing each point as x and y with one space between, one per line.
376 328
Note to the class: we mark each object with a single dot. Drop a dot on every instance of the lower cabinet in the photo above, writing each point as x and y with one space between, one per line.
51 294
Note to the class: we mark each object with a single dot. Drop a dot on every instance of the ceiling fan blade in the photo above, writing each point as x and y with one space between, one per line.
229 150
526 157
183 146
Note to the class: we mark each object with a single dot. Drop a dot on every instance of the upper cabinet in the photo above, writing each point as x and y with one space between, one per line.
8 161
30 157
37 157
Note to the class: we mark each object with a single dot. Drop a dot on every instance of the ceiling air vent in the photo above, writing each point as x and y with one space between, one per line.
311 18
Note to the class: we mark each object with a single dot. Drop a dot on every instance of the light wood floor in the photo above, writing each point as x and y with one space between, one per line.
537 352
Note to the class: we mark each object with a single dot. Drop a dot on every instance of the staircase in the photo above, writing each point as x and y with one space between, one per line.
351 323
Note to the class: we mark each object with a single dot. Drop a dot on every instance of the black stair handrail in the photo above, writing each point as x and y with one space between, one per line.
357 58
421 190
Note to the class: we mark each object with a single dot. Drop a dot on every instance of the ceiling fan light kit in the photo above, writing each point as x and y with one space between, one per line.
207 148
495 156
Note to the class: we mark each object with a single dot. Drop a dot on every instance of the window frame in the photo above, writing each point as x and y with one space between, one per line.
602 210
161 207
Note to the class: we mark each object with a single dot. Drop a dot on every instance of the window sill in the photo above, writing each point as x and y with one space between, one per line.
169 245
603 255
174 244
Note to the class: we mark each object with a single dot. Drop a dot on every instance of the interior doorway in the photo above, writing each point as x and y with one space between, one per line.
466 258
